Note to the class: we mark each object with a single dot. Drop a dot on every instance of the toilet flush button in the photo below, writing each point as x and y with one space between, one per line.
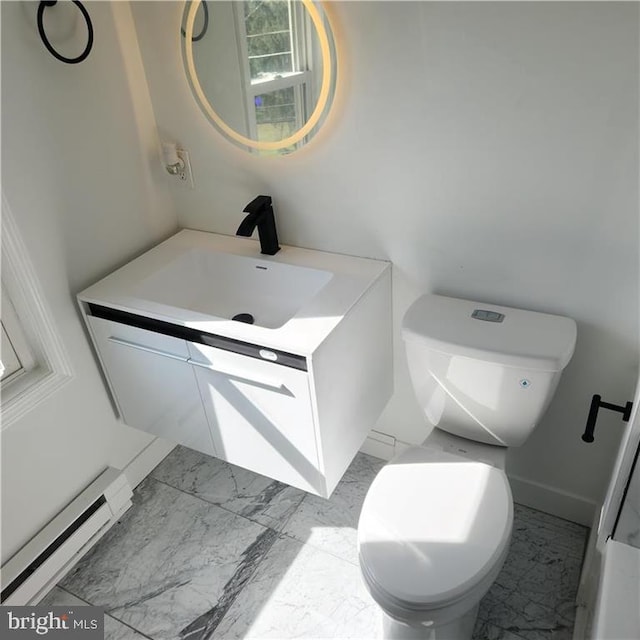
268 355
524 383
487 316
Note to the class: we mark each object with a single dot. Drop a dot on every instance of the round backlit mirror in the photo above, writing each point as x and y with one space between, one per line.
262 71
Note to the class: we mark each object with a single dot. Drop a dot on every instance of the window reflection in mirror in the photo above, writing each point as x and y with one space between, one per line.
263 71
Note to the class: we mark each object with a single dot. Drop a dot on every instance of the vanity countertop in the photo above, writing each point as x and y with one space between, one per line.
350 278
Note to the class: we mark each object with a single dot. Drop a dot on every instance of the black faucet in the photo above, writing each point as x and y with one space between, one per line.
261 215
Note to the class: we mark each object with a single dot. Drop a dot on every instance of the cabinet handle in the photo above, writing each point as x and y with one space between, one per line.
140 347
269 383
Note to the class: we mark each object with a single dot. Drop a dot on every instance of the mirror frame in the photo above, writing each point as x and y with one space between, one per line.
329 65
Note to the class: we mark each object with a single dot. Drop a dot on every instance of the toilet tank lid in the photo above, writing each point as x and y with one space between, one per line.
507 336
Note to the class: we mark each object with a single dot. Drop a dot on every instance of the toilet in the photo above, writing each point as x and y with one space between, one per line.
436 523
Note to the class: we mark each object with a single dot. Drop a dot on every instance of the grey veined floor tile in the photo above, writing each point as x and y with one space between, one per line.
113 629
534 594
486 631
179 566
172 565
248 494
301 592
331 525
58 597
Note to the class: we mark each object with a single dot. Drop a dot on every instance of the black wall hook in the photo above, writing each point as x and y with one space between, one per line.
596 403
50 3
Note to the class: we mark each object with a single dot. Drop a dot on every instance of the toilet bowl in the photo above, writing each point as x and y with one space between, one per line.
435 525
433 535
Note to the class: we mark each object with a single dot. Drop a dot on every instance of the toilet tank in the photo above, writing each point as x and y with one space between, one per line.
483 371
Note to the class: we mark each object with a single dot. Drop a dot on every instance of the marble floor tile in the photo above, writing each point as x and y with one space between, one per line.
173 564
113 629
331 524
534 594
486 631
301 592
248 494
58 597
178 566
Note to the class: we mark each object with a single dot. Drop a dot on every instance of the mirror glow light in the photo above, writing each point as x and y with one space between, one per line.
322 104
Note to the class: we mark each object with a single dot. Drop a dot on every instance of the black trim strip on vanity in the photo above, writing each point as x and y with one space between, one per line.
194 335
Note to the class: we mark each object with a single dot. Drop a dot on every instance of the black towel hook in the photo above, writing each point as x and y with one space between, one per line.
50 3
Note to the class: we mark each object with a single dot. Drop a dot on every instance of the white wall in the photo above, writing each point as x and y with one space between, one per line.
81 177
490 151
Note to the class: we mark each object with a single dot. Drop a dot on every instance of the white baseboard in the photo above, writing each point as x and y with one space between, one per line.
581 624
146 461
382 445
379 445
527 492
552 500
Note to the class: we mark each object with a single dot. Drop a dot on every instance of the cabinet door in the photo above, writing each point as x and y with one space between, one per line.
153 384
260 415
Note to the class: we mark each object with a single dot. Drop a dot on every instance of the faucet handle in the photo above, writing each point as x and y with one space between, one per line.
258 204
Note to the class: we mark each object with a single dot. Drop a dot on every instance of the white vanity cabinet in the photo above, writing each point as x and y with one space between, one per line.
152 382
292 396
260 415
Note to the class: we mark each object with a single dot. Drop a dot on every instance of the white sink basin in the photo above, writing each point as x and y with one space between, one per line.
202 280
224 285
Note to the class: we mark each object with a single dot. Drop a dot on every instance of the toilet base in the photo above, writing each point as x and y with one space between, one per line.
459 629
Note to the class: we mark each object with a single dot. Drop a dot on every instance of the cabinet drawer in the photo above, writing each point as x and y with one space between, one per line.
152 382
260 415
140 339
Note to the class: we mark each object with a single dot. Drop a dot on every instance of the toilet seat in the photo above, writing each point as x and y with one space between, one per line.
433 527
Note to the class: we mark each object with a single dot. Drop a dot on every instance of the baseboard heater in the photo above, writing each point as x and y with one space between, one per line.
34 570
